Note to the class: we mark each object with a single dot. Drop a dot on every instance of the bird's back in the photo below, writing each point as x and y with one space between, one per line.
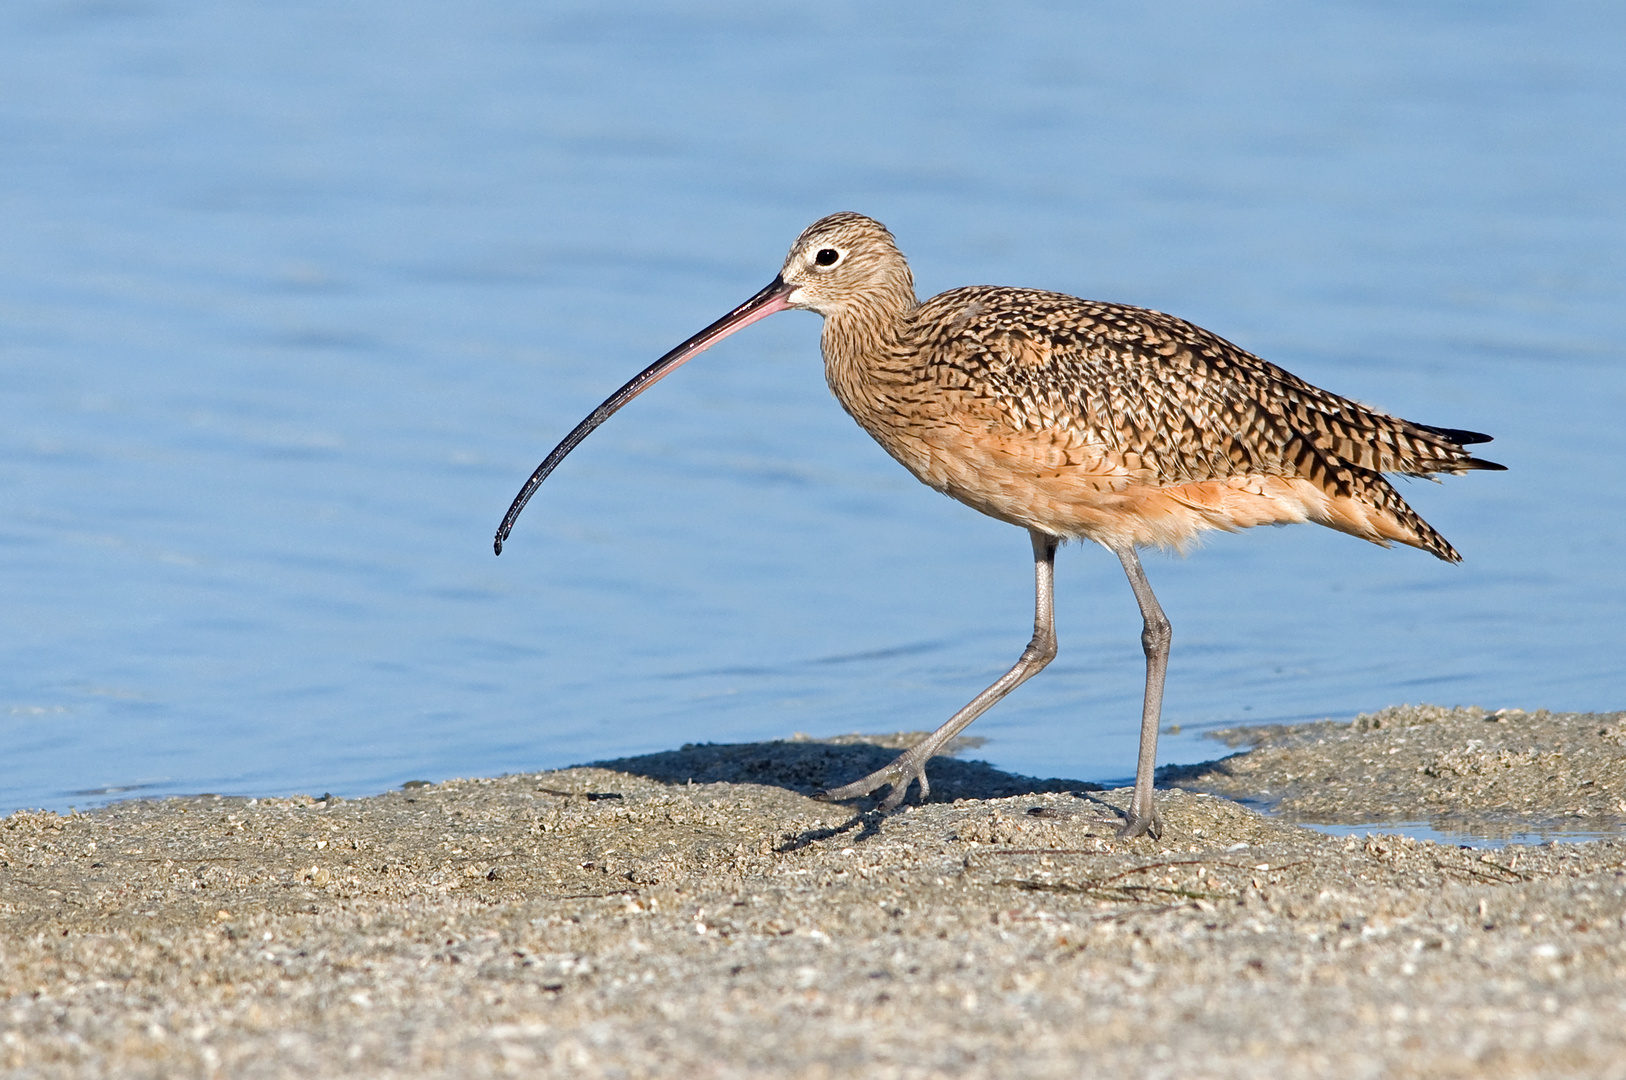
1126 425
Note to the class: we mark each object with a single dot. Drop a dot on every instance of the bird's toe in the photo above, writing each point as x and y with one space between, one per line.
1142 825
895 797
898 779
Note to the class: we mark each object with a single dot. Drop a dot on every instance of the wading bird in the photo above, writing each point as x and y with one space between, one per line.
1077 420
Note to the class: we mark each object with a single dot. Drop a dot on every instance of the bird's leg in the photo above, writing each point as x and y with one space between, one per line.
1154 639
911 765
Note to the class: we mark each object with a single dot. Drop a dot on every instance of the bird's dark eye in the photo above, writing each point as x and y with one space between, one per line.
827 256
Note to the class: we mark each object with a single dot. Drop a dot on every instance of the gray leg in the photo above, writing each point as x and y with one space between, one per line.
1154 639
911 765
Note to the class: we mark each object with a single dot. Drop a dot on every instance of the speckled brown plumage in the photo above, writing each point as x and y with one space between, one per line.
1108 422
1076 420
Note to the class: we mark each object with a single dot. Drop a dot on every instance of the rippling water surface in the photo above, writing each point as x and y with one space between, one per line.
294 296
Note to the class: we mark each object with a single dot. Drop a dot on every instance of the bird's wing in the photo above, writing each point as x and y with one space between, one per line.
1182 403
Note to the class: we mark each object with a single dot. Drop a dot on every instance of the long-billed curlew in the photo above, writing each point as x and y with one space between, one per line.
1075 420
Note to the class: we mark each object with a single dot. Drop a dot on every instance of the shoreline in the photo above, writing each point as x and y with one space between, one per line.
696 913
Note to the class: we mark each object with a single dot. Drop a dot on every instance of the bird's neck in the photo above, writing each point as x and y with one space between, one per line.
865 346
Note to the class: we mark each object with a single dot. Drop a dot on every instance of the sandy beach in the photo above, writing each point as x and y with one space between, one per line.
697 913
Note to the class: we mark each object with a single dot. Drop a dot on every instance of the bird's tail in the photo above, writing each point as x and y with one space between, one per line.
1375 511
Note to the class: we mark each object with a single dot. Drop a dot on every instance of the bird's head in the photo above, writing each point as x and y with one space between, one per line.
846 262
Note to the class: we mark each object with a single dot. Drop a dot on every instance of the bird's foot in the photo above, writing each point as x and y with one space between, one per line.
906 769
1147 823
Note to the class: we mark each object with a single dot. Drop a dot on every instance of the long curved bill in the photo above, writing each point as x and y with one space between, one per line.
772 299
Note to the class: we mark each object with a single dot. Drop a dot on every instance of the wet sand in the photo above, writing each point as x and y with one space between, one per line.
697 913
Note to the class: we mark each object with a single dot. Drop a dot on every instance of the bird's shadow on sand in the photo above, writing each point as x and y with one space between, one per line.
807 767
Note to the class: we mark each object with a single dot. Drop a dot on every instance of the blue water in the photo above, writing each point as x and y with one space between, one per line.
1420 830
294 296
